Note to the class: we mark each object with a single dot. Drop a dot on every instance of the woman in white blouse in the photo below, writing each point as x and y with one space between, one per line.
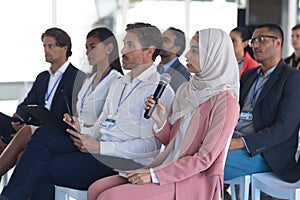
103 53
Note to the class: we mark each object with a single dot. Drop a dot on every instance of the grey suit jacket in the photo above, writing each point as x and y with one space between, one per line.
276 117
178 74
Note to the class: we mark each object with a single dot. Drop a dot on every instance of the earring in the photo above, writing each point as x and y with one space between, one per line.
107 53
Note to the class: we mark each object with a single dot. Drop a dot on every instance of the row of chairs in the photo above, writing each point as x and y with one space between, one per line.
266 182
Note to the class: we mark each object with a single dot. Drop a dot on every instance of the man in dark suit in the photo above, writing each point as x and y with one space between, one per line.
266 136
173 47
52 88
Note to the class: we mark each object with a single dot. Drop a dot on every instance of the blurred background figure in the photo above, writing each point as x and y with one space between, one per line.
294 59
172 49
243 53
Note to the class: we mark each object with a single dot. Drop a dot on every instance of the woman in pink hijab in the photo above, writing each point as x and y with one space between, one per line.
204 114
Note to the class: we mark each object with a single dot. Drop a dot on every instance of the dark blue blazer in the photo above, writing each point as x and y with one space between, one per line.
276 117
69 86
178 74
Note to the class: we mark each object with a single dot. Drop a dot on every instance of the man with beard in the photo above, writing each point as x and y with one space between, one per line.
172 48
266 136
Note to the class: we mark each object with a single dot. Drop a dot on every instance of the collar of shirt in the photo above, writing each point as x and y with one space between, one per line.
169 64
144 76
61 70
240 63
267 73
294 57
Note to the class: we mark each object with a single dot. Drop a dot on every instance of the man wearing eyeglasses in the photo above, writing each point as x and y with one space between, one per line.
294 59
266 136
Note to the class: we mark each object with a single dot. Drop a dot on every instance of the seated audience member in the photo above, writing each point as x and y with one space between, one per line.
204 114
102 52
240 37
172 48
266 136
53 158
47 89
294 59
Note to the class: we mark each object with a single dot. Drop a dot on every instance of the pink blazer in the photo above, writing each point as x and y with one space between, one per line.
198 172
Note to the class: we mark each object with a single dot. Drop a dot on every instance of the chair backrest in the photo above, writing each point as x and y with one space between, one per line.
226 149
298 149
272 185
224 160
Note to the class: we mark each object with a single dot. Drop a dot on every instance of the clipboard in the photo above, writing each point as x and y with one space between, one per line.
5 124
119 164
9 119
47 117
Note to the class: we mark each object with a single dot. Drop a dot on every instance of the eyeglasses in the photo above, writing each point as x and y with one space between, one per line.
260 39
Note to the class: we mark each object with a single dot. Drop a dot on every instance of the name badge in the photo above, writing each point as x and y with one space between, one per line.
109 122
246 115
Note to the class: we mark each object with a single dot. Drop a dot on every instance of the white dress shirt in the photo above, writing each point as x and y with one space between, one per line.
53 83
91 101
131 137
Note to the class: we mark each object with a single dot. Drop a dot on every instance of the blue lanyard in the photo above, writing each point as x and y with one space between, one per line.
48 95
90 88
121 101
255 91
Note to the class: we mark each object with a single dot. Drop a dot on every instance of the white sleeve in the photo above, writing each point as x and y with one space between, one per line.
131 149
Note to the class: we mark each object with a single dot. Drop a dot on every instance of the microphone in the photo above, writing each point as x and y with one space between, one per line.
165 79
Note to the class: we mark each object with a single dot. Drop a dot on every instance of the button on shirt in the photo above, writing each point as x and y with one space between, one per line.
131 137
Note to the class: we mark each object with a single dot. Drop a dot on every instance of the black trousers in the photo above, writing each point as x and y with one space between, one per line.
49 159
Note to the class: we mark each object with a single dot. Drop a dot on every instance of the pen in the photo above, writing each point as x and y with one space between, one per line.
68 107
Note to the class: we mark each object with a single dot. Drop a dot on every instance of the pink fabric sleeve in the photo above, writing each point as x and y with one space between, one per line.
220 124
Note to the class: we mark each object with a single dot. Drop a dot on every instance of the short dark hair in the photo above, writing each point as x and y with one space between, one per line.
297 26
245 32
61 37
148 35
105 35
275 29
180 39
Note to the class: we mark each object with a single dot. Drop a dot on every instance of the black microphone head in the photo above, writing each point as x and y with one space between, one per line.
165 78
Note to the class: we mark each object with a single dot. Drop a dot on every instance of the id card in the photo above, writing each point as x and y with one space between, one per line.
246 115
109 122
